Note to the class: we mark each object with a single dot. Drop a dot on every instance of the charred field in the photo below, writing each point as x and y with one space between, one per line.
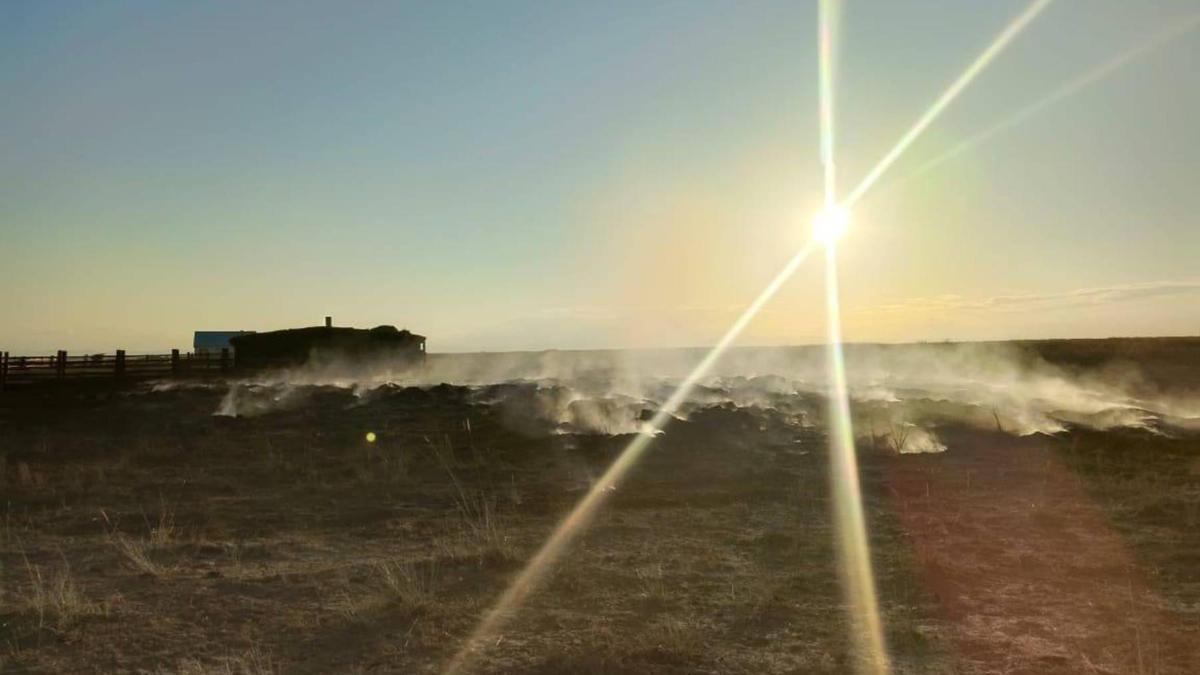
143 532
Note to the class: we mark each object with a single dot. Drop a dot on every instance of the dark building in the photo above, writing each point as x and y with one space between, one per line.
327 343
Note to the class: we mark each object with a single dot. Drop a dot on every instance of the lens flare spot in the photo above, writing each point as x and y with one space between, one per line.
371 436
830 224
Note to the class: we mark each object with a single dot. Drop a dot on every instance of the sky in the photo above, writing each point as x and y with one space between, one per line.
561 175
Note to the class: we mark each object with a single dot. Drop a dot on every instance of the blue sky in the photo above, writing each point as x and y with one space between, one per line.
525 175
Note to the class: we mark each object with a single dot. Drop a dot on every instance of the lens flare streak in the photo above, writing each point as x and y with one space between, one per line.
1067 90
977 66
854 553
579 517
826 24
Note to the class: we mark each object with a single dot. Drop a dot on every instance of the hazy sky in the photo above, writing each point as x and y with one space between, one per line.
501 175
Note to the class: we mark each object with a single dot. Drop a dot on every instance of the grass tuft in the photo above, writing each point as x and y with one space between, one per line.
54 599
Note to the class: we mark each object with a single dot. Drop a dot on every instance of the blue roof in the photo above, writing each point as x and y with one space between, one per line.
215 339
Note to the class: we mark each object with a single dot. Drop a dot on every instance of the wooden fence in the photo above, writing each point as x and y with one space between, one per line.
19 370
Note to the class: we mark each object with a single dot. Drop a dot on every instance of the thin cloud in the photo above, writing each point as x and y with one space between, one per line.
1031 302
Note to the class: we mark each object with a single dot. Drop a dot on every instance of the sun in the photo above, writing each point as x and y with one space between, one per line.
830 224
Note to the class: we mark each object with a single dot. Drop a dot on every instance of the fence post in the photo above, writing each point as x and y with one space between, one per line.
3 371
174 361
60 366
224 359
119 368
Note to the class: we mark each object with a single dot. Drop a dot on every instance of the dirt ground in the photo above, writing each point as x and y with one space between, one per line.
141 533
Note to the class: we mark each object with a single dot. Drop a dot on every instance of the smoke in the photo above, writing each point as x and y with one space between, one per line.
900 393
252 400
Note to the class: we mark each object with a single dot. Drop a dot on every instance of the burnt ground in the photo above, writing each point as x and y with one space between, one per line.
140 533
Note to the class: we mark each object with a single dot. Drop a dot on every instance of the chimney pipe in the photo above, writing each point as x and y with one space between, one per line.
329 322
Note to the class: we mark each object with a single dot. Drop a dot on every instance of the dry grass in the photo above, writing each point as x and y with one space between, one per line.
407 586
136 551
162 531
651 582
252 662
715 556
408 583
483 533
53 598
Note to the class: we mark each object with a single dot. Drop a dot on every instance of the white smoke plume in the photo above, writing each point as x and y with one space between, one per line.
897 390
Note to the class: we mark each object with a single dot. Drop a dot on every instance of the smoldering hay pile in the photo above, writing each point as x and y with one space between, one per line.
902 392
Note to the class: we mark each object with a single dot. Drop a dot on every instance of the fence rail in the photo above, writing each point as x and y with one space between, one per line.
18 370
